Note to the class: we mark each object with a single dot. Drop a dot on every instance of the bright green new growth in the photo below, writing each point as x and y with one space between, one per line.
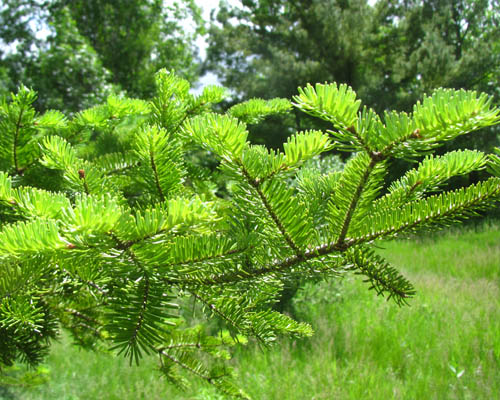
126 222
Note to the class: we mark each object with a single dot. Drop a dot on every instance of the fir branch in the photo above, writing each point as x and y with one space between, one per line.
196 345
140 319
92 329
144 303
185 366
90 284
457 210
123 169
95 286
121 245
355 199
212 257
216 310
85 317
156 177
360 140
16 138
183 244
386 151
255 183
276 267
188 114
382 277
83 178
282 168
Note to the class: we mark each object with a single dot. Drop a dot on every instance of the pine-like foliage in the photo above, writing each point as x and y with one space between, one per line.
112 220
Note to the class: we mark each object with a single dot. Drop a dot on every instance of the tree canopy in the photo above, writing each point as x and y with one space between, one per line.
78 52
391 52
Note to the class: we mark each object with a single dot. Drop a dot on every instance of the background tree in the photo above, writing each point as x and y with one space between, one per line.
94 47
269 48
421 45
391 52
136 39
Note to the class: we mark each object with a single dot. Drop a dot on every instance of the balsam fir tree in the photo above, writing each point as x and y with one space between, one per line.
110 244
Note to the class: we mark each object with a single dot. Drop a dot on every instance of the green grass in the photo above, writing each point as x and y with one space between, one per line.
445 345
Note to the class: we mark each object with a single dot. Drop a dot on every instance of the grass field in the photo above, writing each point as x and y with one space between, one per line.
445 345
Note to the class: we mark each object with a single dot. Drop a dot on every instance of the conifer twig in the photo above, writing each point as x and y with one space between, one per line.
355 199
255 183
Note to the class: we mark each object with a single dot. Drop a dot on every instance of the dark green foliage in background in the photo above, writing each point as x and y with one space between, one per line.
78 52
136 39
392 52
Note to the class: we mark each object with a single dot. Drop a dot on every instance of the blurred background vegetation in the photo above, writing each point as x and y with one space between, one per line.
75 53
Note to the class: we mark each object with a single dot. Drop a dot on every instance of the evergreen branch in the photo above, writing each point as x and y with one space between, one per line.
143 316
196 345
156 177
386 151
233 254
289 262
16 276
255 110
360 139
122 169
185 366
81 173
162 156
210 257
187 114
255 183
494 162
304 145
195 339
429 176
92 329
217 311
336 104
224 135
90 320
450 113
382 277
217 378
277 267
142 312
431 210
125 245
80 315
33 237
30 203
16 138
262 163
271 174
95 286
177 213
355 199
86 282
